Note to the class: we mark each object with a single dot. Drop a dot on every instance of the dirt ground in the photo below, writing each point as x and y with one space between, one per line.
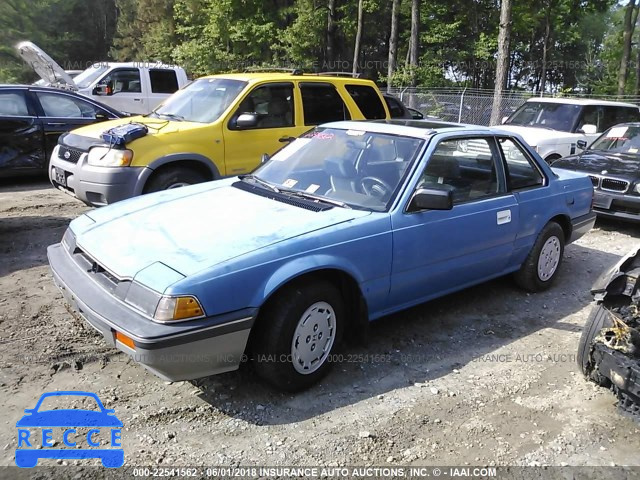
487 376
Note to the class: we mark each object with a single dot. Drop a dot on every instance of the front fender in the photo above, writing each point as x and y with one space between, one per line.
301 266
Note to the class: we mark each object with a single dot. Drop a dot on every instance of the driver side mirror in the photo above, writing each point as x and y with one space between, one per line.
431 199
588 129
264 158
101 117
247 120
582 144
504 120
102 90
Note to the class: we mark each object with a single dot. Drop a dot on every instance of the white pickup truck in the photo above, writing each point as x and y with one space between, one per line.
133 87
556 127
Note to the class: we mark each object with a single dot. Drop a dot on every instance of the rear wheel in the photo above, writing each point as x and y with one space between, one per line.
296 334
173 177
540 269
552 158
598 319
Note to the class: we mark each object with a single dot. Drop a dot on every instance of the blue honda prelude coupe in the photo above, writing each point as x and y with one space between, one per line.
348 223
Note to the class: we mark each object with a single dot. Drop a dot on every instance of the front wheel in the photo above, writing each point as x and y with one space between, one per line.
296 334
173 177
540 269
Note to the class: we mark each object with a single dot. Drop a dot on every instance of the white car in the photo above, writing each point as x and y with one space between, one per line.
132 87
556 127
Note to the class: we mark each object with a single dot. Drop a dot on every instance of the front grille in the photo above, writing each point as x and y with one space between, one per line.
614 185
594 180
70 154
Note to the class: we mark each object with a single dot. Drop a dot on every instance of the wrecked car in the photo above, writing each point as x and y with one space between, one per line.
351 222
609 350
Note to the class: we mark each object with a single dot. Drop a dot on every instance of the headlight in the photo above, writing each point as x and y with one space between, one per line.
109 157
171 309
637 188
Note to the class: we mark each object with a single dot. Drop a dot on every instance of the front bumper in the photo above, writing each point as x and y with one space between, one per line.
617 205
174 352
96 186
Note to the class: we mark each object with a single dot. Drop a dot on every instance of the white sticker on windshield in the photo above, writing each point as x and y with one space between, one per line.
355 133
312 188
617 132
289 183
290 149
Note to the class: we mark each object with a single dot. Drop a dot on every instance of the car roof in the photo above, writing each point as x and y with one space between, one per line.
253 77
411 128
582 101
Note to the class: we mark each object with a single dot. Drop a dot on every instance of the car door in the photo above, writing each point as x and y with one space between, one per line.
61 112
21 134
437 251
274 105
123 88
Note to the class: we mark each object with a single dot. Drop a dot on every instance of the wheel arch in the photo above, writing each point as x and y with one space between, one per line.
195 161
357 318
565 223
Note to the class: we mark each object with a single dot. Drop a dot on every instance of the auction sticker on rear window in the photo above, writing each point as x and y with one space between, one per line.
293 147
617 132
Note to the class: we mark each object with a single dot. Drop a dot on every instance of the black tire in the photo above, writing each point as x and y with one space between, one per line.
172 178
272 344
527 277
552 158
598 319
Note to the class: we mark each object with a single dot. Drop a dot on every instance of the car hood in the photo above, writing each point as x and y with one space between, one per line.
534 135
69 418
44 65
193 228
598 161
155 125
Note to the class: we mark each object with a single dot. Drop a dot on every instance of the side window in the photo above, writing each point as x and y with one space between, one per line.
125 80
65 106
521 172
395 109
13 104
614 115
368 101
591 115
322 103
468 167
163 81
272 103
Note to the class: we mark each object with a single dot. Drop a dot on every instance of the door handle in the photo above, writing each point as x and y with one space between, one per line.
286 139
137 99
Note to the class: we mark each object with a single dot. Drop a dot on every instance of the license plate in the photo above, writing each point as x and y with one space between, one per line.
59 176
601 201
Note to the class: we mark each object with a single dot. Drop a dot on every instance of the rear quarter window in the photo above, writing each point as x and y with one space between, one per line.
163 81
367 100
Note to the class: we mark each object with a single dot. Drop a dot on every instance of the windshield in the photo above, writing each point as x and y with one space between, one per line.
202 101
554 116
620 139
86 78
360 169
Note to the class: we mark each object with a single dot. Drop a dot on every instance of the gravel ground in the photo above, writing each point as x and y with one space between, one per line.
486 376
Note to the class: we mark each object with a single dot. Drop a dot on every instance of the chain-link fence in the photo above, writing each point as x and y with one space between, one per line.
473 106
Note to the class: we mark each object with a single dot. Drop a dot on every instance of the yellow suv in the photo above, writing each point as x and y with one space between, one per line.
217 126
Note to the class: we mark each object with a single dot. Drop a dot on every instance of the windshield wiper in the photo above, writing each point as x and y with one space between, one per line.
172 116
259 181
317 198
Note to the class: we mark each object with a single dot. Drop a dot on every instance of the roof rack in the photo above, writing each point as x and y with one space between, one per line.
340 74
292 71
